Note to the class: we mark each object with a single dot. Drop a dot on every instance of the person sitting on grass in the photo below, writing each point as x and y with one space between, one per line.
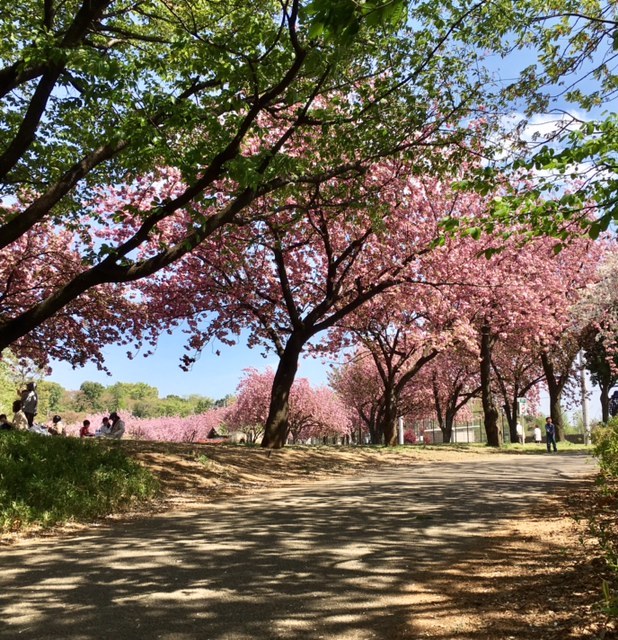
20 421
84 432
117 428
103 430
5 425
57 427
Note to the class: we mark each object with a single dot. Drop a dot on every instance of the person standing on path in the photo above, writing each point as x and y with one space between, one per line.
550 432
30 402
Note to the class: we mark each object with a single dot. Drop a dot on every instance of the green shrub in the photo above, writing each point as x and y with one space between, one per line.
46 481
602 522
606 448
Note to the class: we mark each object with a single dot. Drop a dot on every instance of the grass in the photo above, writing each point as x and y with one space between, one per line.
45 481
529 448
564 446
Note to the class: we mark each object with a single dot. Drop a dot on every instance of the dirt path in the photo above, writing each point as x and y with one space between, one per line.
467 549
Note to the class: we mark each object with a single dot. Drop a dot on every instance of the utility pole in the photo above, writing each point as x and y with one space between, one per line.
582 373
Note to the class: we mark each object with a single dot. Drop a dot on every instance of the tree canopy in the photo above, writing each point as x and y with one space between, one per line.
286 140
99 94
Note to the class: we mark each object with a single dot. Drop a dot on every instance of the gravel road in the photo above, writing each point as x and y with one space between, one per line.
353 558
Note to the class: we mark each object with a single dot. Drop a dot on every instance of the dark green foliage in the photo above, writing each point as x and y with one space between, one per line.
46 481
603 521
90 396
606 449
599 363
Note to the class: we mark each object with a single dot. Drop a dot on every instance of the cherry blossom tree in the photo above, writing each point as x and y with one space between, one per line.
558 360
317 413
298 272
313 412
454 380
517 372
360 386
512 286
248 414
575 267
357 383
37 263
403 330
602 362
106 91
597 315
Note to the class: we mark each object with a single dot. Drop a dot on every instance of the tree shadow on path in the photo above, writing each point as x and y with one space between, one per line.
347 559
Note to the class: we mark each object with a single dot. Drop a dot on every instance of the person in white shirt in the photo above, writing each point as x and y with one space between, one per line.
30 402
538 436
104 429
521 438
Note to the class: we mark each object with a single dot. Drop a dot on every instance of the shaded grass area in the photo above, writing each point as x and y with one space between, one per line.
46 481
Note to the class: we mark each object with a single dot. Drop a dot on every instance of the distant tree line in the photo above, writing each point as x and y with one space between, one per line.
132 398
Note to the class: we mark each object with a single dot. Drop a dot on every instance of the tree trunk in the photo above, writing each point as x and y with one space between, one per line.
555 411
449 421
388 423
605 401
494 437
512 417
442 418
276 429
555 385
375 435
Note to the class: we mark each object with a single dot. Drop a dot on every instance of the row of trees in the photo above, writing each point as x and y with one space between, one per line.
303 170
315 413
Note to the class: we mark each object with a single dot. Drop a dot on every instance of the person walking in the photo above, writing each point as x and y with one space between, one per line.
550 432
30 402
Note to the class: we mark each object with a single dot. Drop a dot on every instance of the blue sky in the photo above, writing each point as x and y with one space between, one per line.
212 376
